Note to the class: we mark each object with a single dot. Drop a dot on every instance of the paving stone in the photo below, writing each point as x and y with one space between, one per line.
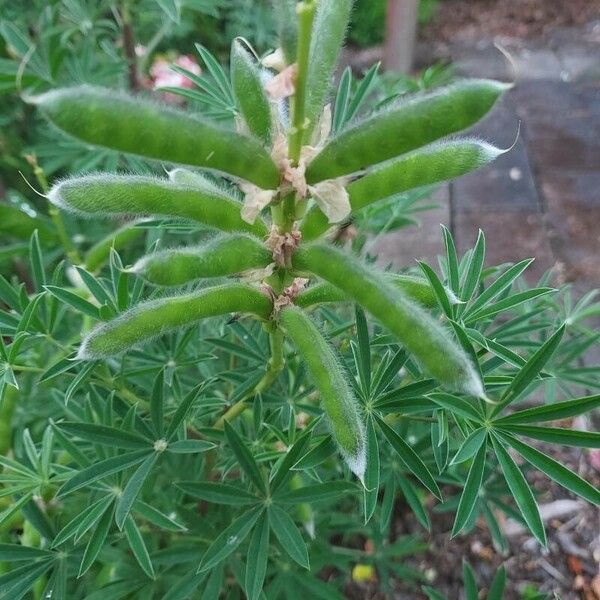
510 237
402 248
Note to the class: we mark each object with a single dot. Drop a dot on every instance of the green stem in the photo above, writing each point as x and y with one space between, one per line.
274 367
306 13
54 213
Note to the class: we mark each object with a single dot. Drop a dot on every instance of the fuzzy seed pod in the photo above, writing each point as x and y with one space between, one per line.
99 253
404 126
438 162
249 93
337 397
156 317
430 343
224 255
110 119
116 196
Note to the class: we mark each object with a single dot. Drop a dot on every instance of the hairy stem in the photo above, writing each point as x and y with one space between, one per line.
306 13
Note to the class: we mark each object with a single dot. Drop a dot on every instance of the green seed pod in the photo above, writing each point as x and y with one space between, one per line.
249 92
287 27
404 126
151 319
337 397
99 253
415 288
199 181
429 342
114 120
224 255
17 224
328 33
116 196
438 162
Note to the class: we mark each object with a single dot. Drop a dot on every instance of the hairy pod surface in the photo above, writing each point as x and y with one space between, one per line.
114 120
249 93
405 126
430 343
328 33
99 253
438 162
337 397
135 195
224 255
416 288
156 317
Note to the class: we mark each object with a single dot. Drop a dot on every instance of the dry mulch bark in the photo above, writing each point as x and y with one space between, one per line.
472 19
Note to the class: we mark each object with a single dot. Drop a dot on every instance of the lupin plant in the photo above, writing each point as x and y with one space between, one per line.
276 191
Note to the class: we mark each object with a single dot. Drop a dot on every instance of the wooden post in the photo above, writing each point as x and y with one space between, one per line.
401 29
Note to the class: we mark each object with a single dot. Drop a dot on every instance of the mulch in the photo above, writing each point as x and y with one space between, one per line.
474 19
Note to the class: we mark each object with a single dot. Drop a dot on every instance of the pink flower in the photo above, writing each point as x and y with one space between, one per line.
162 75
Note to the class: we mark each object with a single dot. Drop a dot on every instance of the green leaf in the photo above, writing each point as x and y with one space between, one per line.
258 555
364 348
102 469
470 493
497 586
189 446
457 406
320 492
217 493
284 470
530 370
451 260
521 492
154 516
96 542
73 300
133 488
245 458
17 582
371 485
557 435
470 446
556 471
409 458
474 268
316 455
16 553
157 403
88 516
183 410
229 539
36 260
102 434
438 288
552 412
507 304
412 499
288 535
136 543
469 582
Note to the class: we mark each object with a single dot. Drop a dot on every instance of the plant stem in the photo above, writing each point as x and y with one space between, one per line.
129 48
274 367
306 13
54 213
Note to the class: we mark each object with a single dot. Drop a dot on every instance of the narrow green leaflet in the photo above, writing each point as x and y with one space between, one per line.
136 543
468 498
470 446
132 489
288 535
245 459
219 493
371 485
556 471
229 539
258 554
409 458
321 492
521 491
96 542
552 412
